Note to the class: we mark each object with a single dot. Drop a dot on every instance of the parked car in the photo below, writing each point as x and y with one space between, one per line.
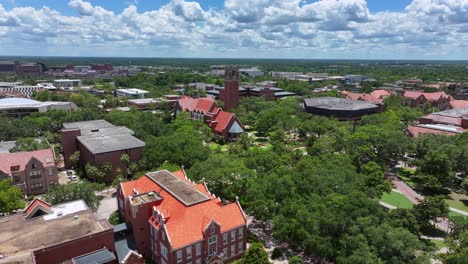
70 173
73 178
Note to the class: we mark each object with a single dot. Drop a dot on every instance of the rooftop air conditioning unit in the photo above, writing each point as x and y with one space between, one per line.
151 194
59 213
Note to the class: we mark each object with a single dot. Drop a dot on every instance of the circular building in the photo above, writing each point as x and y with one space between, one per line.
343 109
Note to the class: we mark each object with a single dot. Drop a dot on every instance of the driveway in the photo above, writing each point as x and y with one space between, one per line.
108 205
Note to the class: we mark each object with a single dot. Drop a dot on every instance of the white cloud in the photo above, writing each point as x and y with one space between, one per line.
271 28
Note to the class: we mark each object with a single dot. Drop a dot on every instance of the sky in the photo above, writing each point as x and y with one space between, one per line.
302 29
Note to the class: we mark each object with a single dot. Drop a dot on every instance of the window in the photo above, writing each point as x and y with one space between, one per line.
212 251
51 183
179 256
212 240
34 165
163 251
17 179
225 252
212 229
241 246
225 238
189 252
241 232
35 174
233 235
198 261
233 250
163 235
50 171
198 249
36 187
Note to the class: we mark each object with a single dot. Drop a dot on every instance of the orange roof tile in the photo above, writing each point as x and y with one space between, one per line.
416 131
380 94
457 104
185 224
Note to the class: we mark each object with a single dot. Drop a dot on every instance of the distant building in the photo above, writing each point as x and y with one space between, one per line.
26 90
150 103
34 172
251 72
175 220
62 233
420 99
106 67
67 83
267 93
8 67
461 91
131 93
20 107
30 69
99 141
376 97
224 124
343 109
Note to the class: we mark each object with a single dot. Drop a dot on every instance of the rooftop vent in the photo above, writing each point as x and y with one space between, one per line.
76 217
59 213
151 194
94 130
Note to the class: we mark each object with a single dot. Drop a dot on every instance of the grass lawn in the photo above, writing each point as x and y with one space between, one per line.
439 243
458 201
215 146
396 199
451 213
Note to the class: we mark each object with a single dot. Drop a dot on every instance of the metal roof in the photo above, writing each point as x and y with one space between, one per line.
97 257
185 193
334 103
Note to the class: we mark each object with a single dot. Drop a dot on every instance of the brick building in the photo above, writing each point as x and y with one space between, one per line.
420 99
34 172
99 141
175 220
224 124
62 233
230 94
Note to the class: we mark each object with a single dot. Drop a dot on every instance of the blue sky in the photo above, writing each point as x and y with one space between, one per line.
328 29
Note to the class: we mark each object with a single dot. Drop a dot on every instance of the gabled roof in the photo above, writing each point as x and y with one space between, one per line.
204 105
416 131
380 94
222 120
45 156
363 97
35 206
429 96
185 224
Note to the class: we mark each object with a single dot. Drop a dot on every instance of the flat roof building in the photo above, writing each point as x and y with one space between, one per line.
20 107
340 108
46 234
98 142
131 93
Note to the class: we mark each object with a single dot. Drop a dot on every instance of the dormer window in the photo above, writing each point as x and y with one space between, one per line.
34 165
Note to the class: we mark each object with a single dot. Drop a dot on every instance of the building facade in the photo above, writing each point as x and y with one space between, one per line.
34 172
224 124
98 142
175 220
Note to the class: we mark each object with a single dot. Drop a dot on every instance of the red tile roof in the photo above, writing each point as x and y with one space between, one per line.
416 131
380 94
457 104
185 224
45 156
204 105
429 96
222 120
440 119
363 97
36 203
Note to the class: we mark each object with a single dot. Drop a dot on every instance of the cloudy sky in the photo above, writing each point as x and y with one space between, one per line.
320 29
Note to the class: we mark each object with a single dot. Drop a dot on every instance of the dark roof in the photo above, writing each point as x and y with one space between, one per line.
334 103
97 257
122 247
88 125
110 143
185 193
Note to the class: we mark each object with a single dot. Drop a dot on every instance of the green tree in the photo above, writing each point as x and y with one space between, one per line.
74 158
29 144
375 182
10 197
82 190
428 210
255 255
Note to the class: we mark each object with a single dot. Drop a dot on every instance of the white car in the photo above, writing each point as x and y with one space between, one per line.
73 178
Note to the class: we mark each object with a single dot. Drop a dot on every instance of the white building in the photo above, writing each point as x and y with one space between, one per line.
67 83
131 93
19 107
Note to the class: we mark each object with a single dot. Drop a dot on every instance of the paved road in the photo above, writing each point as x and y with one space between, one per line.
108 204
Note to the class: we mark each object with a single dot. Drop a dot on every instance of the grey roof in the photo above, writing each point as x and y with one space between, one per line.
185 193
88 125
284 94
122 247
107 131
121 227
334 103
97 257
453 112
110 143
212 92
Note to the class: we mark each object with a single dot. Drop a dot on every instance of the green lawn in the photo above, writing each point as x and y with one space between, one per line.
456 201
439 243
451 213
396 199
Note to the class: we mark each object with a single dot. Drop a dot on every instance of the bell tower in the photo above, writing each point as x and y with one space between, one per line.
230 94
